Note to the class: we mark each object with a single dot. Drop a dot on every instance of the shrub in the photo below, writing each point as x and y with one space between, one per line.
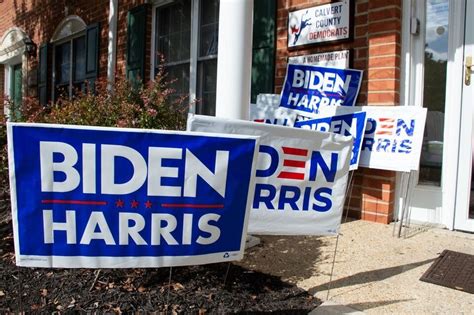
152 106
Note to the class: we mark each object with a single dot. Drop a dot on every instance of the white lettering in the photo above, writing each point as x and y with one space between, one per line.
48 167
49 227
195 168
97 220
109 153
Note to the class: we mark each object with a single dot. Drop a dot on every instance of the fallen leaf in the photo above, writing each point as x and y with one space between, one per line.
141 289
44 292
177 286
2 293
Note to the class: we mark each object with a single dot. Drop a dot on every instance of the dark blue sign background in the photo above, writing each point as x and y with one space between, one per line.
26 145
358 118
348 99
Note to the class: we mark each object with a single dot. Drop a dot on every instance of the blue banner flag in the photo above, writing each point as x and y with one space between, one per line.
307 88
107 197
352 124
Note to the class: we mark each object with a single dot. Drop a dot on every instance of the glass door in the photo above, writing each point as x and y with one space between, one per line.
429 46
434 44
464 210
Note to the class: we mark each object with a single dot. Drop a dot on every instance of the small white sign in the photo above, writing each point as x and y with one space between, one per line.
334 59
319 24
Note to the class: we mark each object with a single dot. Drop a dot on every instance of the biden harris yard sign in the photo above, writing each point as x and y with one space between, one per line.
349 124
300 180
393 137
107 197
308 89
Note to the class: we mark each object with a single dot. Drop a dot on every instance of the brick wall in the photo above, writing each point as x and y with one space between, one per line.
39 20
375 49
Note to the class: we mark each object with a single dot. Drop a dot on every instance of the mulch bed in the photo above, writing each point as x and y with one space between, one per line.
194 289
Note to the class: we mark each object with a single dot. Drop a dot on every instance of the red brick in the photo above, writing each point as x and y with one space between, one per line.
384 14
361 30
378 183
383 50
360 20
384 26
377 195
362 7
383 98
377 207
360 53
384 73
383 85
385 61
378 4
379 218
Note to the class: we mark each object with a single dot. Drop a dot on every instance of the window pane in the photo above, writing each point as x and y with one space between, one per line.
209 28
80 59
434 91
207 79
179 77
63 62
173 29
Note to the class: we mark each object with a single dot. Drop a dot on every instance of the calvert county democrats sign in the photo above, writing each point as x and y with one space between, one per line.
319 24
351 124
107 197
300 178
307 89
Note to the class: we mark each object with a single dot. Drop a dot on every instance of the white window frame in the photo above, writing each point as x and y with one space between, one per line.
58 41
194 48
411 94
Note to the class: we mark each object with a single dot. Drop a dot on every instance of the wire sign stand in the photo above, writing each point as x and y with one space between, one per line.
348 193
403 222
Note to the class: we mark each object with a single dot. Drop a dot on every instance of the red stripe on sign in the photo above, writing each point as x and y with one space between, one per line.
386 126
295 151
193 206
293 163
384 132
291 175
74 202
386 119
259 120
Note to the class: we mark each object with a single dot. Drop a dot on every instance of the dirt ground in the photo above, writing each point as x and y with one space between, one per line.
216 288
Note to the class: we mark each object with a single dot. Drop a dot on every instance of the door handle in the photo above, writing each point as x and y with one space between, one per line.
468 72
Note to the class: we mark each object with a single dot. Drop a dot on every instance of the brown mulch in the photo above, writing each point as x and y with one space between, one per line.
193 289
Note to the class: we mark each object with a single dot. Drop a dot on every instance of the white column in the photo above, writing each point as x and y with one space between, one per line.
234 62
112 45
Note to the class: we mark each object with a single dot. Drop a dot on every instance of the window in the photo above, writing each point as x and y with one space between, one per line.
176 40
75 57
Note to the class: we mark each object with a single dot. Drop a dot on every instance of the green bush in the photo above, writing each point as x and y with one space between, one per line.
152 106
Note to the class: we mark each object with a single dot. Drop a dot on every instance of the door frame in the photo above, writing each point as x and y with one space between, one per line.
412 61
464 180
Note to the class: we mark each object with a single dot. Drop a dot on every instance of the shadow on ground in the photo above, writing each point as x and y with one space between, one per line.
293 258
369 276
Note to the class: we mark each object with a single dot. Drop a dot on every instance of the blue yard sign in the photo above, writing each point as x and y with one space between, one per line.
352 124
308 89
107 197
